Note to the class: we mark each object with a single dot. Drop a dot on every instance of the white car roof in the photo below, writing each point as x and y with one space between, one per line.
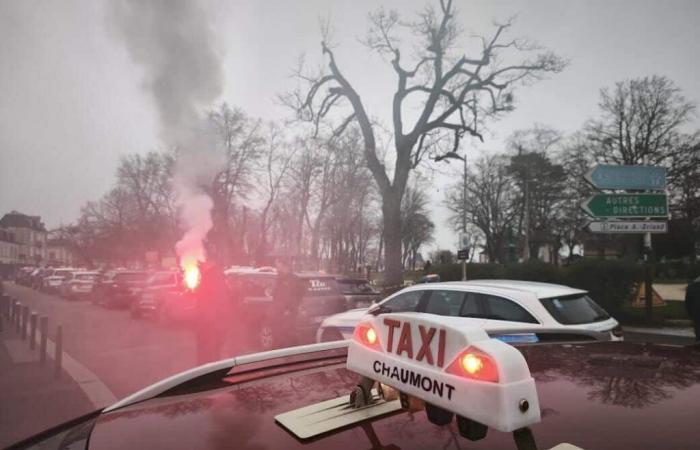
540 290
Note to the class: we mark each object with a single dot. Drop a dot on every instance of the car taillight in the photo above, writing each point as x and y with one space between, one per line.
367 335
474 364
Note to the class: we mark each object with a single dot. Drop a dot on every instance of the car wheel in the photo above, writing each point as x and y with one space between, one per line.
330 335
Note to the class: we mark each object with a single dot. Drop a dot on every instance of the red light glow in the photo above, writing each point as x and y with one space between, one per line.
367 335
474 364
191 276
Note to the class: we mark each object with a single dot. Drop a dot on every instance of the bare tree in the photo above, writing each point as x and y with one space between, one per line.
242 145
491 203
417 227
448 85
576 159
640 121
277 165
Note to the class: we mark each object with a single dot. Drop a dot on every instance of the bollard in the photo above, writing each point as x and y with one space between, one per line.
59 351
18 311
32 330
44 331
4 303
25 322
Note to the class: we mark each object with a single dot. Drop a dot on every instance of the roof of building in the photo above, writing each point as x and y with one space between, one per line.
16 219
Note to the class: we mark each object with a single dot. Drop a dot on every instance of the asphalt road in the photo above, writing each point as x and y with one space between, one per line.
126 354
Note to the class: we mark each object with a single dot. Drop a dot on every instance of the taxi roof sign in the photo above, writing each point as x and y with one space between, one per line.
443 363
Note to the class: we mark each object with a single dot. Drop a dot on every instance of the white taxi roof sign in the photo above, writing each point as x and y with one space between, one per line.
444 363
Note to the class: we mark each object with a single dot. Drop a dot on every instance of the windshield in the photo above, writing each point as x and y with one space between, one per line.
244 176
574 309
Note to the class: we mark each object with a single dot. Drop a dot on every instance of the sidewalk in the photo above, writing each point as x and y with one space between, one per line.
660 335
31 398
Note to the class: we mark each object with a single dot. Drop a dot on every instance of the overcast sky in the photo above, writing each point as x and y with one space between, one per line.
72 101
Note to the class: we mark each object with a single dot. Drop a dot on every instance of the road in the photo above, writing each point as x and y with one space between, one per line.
126 354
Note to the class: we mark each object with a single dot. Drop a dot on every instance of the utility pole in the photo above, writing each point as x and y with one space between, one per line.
526 222
464 217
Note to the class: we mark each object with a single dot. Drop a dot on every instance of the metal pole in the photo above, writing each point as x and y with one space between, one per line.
464 217
4 299
648 277
18 321
526 222
59 351
44 330
32 330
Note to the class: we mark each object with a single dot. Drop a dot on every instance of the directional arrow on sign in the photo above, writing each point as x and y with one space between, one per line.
626 205
647 178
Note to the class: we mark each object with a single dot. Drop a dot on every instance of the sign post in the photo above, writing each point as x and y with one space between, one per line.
645 206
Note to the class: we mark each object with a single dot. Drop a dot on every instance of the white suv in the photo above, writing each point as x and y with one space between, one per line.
515 311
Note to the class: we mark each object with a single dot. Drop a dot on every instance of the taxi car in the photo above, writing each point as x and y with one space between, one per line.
506 308
411 381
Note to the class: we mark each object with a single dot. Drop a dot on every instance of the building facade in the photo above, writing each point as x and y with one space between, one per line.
29 234
59 253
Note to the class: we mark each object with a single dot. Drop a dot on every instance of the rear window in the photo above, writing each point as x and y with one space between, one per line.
318 287
574 309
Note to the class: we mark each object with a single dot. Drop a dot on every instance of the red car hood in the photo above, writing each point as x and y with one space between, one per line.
597 396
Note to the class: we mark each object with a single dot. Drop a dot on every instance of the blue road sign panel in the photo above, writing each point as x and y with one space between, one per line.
627 177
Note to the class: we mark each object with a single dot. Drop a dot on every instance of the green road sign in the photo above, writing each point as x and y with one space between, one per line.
627 205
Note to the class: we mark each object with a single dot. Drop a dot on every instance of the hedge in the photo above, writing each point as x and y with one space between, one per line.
678 270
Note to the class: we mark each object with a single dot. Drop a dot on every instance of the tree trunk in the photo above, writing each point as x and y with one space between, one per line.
391 210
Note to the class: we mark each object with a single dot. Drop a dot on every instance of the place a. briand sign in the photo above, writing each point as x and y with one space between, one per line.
628 227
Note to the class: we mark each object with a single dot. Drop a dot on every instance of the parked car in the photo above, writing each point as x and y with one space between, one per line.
116 289
78 285
52 283
512 309
358 292
253 290
155 293
37 276
24 275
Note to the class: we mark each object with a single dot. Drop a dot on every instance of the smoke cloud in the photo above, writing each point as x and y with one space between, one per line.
174 44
